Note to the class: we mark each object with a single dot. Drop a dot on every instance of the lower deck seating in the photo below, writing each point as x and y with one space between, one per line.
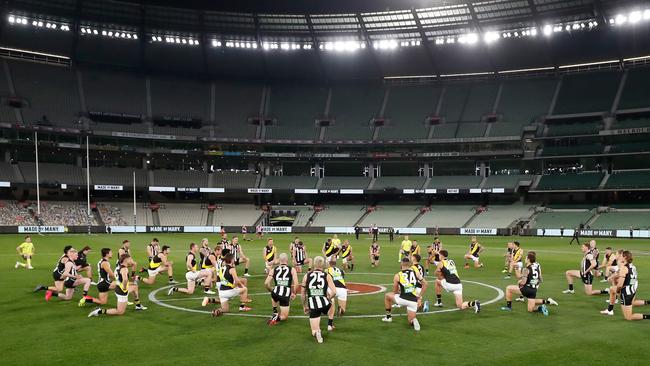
391 215
450 216
629 179
339 215
570 181
556 219
622 220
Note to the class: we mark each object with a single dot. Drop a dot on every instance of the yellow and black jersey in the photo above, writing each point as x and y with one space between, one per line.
121 281
449 271
155 261
269 253
517 255
206 262
418 267
226 279
415 249
193 266
338 276
346 251
474 249
329 248
407 284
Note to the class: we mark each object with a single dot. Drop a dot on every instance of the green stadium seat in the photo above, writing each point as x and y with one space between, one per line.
629 179
570 181
295 109
407 109
636 93
587 92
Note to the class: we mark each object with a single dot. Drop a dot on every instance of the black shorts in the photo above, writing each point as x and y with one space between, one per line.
626 299
528 292
283 300
69 283
237 262
301 262
56 276
587 278
82 265
316 313
26 256
103 286
375 257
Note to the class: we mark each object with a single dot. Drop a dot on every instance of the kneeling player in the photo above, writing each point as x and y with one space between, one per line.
316 293
346 255
158 263
529 281
57 273
285 289
300 257
194 275
106 278
405 293
475 249
71 279
338 276
448 279
627 286
230 286
374 254
585 273
268 252
122 289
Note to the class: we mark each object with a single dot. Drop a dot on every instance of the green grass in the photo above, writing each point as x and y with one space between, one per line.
58 332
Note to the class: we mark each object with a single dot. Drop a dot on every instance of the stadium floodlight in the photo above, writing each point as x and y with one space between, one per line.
576 26
266 46
451 40
103 33
95 32
646 14
183 41
253 45
620 19
547 30
635 17
533 32
135 36
491 37
307 46
12 19
40 24
440 41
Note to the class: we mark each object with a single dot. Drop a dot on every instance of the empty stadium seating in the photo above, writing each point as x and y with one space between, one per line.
7 173
143 214
15 214
623 219
339 215
505 181
118 176
7 113
501 216
556 219
635 93
445 131
568 129
114 92
399 182
587 92
570 181
236 215
234 104
345 183
460 181
65 213
631 122
176 97
524 100
295 109
51 92
391 215
183 214
471 130
233 180
628 147
586 149
406 109
352 108
53 173
480 101
289 182
629 179
178 178
446 216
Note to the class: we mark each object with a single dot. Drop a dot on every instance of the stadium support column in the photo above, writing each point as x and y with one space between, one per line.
135 214
38 184
88 182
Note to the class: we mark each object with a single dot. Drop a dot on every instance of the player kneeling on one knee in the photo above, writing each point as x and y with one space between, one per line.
230 286
282 283
404 293
587 266
123 286
449 281
316 293
529 281
194 274
627 286
71 279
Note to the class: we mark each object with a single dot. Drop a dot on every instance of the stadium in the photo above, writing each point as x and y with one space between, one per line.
346 182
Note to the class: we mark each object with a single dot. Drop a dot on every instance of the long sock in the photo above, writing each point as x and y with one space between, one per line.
206 288
388 314
20 264
170 278
55 293
29 262
539 309
85 293
646 316
275 310
604 292
174 289
471 303
544 301
610 307
352 267
103 311
509 304
245 270
571 286
438 299
137 301
647 302
241 306
330 321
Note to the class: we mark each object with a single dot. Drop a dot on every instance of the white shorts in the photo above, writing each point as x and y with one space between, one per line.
519 265
153 272
192 276
345 261
455 288
411 306
122 298
225 295
475 259
330 258
342 293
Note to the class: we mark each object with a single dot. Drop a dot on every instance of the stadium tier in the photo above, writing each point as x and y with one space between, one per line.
446 216
289 182
635 93
235 106
233 179
236 215
338 215
53 173
114 92
118 176
469 181
407 110
182 214
628 179
352 109
176 178
590 92
66 213
391 216
583 128
125 212
501 216
399 182
345 183
7 113
180 98
568 219
506 181
623 219
570 181
15 214
295 110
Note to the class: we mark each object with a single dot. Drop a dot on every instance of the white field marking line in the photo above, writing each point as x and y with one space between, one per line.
153 299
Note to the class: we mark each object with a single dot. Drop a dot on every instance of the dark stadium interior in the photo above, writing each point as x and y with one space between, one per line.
392 98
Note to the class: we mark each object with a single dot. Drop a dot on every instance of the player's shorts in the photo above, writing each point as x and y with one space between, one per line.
269 264
300 262
375 257
346 260
330 258
528 292
237 262
411 306
587 278
474 258
155 271
316 313
283 300
122 298
342 293
519 265
57 277
454 288
103 286
192 276
26 256
626 298
225 295
69 283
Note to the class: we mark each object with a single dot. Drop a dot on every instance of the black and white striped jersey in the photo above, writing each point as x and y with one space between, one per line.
630 283
283 280
317 289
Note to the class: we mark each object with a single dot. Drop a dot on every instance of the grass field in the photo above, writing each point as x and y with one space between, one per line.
58 332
